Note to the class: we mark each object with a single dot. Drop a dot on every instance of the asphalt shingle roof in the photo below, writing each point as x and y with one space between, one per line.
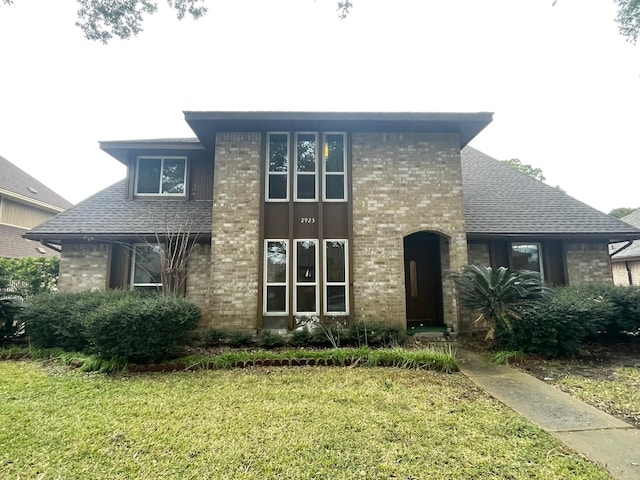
632 251
16 181
500 199
109 213
12 245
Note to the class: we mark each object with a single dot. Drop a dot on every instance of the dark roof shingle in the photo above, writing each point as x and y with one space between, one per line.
16 181
109 213
12 245
500 199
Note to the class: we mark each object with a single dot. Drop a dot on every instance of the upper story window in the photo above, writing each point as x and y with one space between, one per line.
161 176
314 164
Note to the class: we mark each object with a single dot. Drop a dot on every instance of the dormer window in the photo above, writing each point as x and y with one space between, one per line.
161 176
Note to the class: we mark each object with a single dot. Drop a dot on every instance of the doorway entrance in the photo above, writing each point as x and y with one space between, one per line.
423 281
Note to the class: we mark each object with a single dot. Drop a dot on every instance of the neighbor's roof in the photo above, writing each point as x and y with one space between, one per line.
632 252
468 125
501 200
12 245
109 214
22 186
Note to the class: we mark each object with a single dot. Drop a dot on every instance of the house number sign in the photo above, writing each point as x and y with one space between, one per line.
307 220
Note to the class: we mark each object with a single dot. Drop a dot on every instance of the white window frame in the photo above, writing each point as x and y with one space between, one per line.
267 284
540 257
305 284
269 173
297 173
330 284
344 168
133 266
162 158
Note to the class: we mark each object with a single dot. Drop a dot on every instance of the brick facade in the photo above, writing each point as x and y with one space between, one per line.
621 272
402 184
199 276
235 231
84 266
588 264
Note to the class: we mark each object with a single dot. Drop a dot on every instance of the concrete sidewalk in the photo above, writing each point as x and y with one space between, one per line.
602 438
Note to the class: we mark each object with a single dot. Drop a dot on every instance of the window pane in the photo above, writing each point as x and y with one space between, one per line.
525 257
149 175
278 153
335 258
306 187
306 262
276 299
306 153
173 176
306 299
335 187
335 153
277 186
147 268
336 299
276 262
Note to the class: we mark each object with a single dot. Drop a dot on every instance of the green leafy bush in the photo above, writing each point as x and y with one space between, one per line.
118 324
31 276
241 338
10 306
570 316
377 335
213 337
268 339
142 329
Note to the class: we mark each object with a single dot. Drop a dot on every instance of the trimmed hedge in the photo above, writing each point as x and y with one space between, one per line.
118 324
573 315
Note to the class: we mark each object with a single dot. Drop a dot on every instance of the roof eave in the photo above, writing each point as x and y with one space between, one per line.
119 149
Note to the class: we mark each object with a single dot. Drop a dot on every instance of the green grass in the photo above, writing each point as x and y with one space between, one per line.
294 423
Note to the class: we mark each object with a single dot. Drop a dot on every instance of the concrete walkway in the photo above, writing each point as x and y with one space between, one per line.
610 442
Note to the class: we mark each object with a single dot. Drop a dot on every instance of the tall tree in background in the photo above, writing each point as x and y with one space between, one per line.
621 212
104 19
525 168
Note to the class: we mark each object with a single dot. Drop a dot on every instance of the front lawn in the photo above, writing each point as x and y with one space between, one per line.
294 423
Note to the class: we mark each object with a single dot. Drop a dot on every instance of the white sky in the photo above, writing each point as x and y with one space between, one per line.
563 84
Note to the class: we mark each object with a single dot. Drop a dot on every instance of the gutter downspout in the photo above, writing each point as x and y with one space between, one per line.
51 246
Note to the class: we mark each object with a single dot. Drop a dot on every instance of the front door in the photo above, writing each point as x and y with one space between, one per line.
423 280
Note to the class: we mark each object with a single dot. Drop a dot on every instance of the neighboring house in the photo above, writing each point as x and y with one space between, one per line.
24 203
625 259
354 215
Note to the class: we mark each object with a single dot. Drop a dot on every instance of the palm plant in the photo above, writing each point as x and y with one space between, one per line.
497 295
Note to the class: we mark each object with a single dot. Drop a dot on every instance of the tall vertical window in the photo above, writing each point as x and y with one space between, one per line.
306 283
161 176
527 256
276 268
146 267
334 167
335 277
278 166
306 166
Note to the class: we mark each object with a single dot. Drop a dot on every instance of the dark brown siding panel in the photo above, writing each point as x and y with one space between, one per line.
554 267
201 176
336 220
305 220
276 220
118 274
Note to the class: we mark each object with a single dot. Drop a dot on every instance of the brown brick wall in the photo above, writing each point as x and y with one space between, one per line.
588 264
198 279
235 231
402 184
84 267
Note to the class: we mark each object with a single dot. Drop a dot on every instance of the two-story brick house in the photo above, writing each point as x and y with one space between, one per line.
358 215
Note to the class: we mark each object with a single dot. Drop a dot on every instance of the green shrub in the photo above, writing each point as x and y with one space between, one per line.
214 337
10 306
240 339
268 339
142 328
624 318
300 338
31 276
377 335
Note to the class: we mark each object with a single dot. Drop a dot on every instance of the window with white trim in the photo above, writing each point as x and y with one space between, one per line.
276 273
146 267
277 166
161 176
336 277
527 256
306 183
306 277
335 163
